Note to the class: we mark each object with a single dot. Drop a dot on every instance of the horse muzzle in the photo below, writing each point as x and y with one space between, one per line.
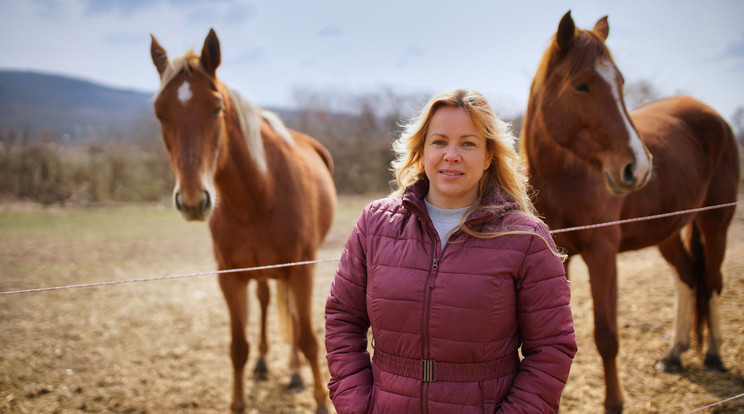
194 208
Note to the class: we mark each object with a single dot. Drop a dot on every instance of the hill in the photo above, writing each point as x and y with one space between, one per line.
63 105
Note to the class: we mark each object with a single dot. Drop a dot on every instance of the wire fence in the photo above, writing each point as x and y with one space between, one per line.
715 404
301 263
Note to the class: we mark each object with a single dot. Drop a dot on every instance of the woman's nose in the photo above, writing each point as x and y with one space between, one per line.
451 154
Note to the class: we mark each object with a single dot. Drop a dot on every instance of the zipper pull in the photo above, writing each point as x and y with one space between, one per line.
433 279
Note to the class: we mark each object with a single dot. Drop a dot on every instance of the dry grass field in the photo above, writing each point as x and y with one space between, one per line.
162 346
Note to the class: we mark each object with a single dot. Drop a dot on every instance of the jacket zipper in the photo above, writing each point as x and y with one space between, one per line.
431 284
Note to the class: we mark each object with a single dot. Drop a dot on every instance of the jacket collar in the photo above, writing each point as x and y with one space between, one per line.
414 195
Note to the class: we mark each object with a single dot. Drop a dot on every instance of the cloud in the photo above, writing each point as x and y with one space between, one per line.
225 11
122 38
735 49
737 68
253 55
411 52
231 14
47 9
240 13
330 31
109 6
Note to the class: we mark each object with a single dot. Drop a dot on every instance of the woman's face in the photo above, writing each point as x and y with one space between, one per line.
454 158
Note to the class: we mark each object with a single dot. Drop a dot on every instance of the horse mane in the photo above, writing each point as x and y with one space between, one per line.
277 125
249 114
587 46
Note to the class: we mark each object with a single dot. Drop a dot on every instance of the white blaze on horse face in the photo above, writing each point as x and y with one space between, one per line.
606 69
184 92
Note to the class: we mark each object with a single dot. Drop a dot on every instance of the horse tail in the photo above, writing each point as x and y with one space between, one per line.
285 309
700 317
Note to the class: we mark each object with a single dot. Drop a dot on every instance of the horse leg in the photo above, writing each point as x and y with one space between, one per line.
713 226
295 384
602 266
288 327
566 264
713 361
260 373
674 252
301 285
234 291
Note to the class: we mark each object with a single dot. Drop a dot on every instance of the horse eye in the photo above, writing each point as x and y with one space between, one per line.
217 111
582 87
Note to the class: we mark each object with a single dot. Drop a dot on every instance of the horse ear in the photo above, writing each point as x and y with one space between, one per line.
566 32
210 54
602 28
159 57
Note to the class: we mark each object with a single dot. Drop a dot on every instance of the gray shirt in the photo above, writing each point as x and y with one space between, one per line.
446 221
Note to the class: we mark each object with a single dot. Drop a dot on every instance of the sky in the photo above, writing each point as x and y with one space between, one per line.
274 49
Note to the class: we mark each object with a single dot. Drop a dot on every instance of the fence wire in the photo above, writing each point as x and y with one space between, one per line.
276 266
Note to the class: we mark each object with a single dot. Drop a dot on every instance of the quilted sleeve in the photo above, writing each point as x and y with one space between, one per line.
545 327
346 328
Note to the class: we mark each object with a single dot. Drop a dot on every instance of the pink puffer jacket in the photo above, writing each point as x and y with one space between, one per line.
447 325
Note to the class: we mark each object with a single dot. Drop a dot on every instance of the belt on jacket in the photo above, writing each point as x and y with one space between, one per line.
428 370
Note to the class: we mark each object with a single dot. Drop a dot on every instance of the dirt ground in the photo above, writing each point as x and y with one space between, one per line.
162 346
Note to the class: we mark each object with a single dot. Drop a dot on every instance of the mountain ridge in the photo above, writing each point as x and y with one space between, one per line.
33 101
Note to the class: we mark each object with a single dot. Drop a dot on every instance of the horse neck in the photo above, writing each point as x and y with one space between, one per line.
537 144
245 187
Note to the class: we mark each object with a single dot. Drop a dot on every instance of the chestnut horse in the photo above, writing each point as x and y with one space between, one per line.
268 194
590 161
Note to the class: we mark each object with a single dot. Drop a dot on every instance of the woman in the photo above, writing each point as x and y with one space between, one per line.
453 273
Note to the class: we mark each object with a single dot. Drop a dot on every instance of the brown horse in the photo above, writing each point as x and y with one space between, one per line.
267 191
590 161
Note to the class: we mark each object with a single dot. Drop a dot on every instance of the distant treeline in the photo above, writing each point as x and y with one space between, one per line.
131 165
40 168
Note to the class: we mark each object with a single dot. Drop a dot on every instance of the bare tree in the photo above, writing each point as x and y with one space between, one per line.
737 120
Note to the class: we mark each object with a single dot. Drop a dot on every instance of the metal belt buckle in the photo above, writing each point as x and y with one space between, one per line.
428 375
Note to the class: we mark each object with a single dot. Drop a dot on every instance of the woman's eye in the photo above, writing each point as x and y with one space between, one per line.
582 87
468 144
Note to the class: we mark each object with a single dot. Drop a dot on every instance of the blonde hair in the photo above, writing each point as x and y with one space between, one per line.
506 170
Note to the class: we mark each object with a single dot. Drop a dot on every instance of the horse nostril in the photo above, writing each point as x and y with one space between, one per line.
629 174
207 202
177 201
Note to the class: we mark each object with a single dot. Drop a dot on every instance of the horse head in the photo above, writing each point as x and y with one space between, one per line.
191 109
577 96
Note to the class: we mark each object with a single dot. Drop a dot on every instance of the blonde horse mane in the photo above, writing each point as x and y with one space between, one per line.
250 116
